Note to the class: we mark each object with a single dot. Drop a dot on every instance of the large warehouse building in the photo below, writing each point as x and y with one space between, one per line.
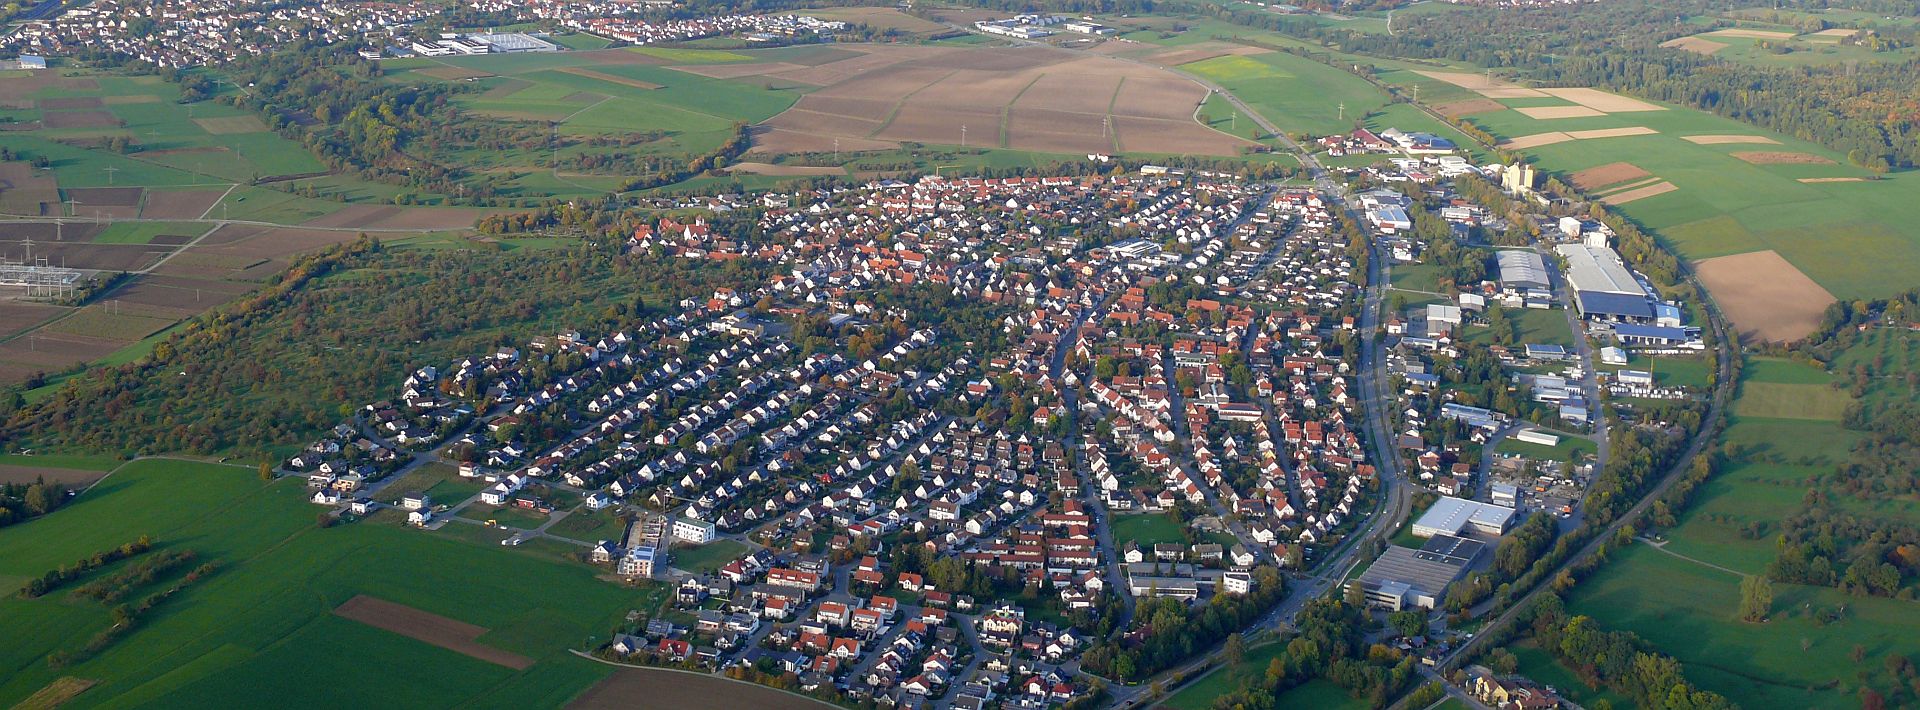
1521 270
1459 516
1403 578
1603 288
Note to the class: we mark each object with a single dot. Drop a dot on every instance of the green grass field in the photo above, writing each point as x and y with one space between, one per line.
256 627
1783 401
1569 446
1799 51
1295 93
1146 529
1668 371
708 557
144 232
1685 607
1199 695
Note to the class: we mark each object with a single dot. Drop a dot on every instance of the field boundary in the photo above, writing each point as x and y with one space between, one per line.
430 628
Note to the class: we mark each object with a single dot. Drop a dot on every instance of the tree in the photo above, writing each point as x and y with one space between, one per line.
266 472
1236 649
1411 622
1756 598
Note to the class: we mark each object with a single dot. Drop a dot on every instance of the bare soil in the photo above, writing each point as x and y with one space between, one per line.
450 634
1766 297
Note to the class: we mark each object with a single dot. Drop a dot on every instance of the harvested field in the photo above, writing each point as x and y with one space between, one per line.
1833 179
1609 174
1696 45
1836 34
609 78
1469 107
1765 297
181 204
1717 139
1030 98
737 70
231 124
450 634
1750 34
153 299
1777 157
73 477
1630 185
106 196
1200 52
258 243
785 170
133 99
1536 140
1602 101
49 352
1611 133
950 125
452 73
665 688
1483 85
100 321
23 192
1545 113
69 103
780 140
1639 193
79 119
16 316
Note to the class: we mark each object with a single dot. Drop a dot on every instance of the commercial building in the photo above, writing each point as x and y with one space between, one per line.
1457 516
1522 271
1403 578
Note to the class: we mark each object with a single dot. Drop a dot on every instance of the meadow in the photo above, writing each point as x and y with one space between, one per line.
262 621
1682 596
1297 94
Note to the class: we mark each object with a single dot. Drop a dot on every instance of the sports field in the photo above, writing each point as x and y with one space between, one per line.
259 624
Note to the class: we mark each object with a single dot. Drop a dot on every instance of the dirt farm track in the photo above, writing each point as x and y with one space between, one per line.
1026 98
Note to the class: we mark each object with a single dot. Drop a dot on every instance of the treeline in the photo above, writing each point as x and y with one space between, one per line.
54 578
1330 643
1617 660
125 617
22 501
1171 631
113 589
1862 109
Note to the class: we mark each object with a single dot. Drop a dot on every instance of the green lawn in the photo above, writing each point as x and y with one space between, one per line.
1569 446
1784 401
1671 371
708 557
255 627
1145 529
589 526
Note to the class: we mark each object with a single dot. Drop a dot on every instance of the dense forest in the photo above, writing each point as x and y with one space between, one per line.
1868 110
341 328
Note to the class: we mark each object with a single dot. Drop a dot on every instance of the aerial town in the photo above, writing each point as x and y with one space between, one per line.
597 354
